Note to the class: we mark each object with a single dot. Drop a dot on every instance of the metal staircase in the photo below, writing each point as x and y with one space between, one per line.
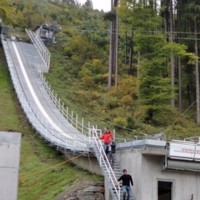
104 163
111 170
118 172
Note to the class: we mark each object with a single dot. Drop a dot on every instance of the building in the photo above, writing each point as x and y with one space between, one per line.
47 32
163 171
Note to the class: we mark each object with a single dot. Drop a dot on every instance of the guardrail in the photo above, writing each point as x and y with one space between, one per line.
39 123
72 118
40 46
107 170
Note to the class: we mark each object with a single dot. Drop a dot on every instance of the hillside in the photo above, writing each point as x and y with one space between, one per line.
148 97
140 104
44 173
110 108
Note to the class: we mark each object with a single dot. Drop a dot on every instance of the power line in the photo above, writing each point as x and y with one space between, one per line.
107 30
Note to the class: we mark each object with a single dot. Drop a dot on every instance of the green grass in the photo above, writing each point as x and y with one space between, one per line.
44 172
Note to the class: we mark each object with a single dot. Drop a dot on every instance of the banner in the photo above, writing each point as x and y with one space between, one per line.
187 151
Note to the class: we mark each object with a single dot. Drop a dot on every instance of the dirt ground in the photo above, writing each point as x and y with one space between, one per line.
83 191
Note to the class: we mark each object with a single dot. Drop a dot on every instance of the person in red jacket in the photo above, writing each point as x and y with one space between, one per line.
106 137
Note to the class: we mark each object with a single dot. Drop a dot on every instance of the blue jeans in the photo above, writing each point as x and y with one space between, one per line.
126 190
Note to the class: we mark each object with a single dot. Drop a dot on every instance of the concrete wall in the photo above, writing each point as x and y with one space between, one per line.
85 162
146 172
10 144
145 167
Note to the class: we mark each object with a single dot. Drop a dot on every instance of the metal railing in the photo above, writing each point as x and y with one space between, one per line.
195 139
107 170
40 46
39 123
72 118
59 139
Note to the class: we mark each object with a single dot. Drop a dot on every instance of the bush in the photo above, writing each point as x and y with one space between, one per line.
126 100
120 121
112 103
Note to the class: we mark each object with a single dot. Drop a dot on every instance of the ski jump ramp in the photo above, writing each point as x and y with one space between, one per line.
26 67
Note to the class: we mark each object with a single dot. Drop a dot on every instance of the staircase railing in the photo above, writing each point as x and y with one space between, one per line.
104 163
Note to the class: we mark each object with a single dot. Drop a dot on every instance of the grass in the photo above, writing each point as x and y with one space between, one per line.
44 172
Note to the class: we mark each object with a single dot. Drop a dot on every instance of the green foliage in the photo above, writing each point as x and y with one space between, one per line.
79 64
154 88
126 100
8 13
44 172
179 50
89 3
111 103
92 72
78 74
120 122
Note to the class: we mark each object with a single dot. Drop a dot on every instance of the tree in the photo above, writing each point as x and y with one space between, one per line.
7 11
193 14
89 3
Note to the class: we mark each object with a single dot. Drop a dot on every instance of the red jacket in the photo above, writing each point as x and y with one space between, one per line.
106 137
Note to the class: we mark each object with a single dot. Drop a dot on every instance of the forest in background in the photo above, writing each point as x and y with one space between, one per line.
157 78
158 68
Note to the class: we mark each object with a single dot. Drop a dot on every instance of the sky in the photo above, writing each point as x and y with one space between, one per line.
99 4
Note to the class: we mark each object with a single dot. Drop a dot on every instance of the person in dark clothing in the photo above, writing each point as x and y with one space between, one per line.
113 145
111 155
126 181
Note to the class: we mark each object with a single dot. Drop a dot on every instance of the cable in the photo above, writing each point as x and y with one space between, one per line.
182 114
46 169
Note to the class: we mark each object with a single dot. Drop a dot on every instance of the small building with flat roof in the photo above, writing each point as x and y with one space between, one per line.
162 170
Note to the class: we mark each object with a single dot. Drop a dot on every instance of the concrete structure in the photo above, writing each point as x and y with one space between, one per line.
87 162
156 180
9 164
159 171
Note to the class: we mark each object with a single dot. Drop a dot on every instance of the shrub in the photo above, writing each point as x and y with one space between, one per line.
120 121
126 100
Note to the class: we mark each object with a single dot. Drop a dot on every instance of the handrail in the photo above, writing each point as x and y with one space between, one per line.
41 125
105 165
40 46
71 118
59 139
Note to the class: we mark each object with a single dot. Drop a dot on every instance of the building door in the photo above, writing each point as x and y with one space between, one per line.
164 190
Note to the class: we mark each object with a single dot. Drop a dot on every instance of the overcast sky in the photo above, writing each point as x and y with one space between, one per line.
99 4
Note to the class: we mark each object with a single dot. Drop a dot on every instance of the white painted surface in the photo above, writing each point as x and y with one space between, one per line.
41 108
